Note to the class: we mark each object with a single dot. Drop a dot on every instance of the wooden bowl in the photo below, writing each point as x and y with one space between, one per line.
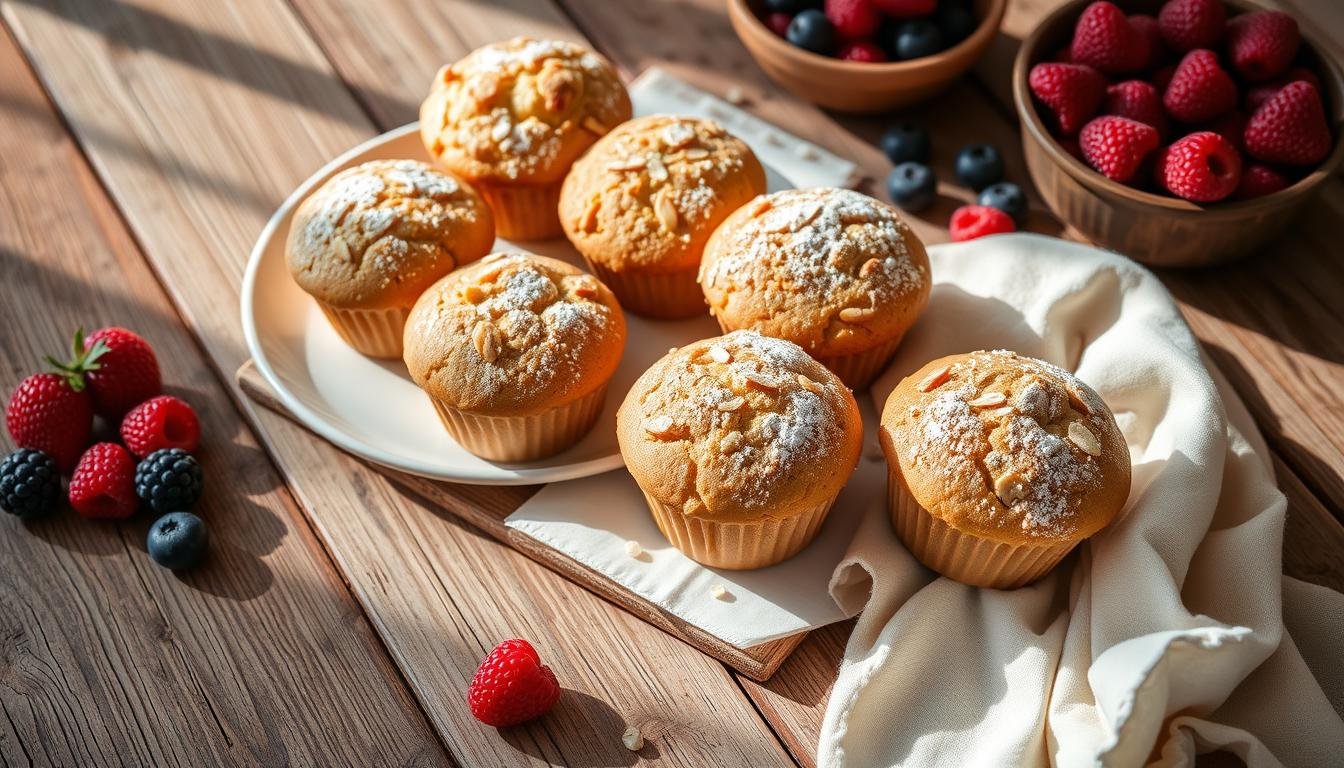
1156 229
857 87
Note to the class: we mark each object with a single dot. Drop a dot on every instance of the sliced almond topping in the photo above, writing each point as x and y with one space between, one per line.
592 125
696 153
857 314
719 354
678 135
483 338
657 171
501 129
343 248
585 288
1083 438
731 442
489 275
989 400
588 222
811 386
761 205
1077 402
870 268
761 382
735 404
1009 488
665 210
474 294
632 163
999 413
632 739
659 426
935 379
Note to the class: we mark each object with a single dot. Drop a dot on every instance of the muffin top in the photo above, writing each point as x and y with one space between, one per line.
377 235
1007 448
739 428
521 110
832 270
513 335
649 194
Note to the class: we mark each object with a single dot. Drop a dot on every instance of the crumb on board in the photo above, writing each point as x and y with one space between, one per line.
633 549
633 739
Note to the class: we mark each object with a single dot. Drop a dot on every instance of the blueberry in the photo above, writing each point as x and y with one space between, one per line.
916 39
791 6
912 186
979 165
904 142
955 20
812 31
1007 197
177 540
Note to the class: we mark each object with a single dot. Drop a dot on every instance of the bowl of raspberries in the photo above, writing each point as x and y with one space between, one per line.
1180 133
865 56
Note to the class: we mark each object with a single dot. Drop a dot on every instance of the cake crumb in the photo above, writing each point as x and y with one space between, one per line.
720 592
735 95
633 549
633 739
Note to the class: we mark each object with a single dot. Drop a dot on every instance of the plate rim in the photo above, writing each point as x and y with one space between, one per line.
329 432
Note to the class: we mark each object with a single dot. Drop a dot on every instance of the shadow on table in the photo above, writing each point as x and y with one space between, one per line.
577 712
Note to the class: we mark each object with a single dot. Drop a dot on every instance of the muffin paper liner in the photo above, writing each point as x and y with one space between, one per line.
523 211
373 332
522 438
669 296
962 556
738 546
858 370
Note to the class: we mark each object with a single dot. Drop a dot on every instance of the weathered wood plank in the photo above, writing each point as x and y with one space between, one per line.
108 658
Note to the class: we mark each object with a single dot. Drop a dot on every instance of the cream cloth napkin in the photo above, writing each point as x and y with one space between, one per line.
1161 637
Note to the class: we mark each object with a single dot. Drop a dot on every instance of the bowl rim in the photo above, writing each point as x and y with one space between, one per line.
984 31
1032 123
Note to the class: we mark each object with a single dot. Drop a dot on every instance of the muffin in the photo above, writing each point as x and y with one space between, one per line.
998 465
741 444
515 353
645 199
371 239
512 117
832 270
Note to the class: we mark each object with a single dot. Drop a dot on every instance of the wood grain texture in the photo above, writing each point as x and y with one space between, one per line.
263 110
107 658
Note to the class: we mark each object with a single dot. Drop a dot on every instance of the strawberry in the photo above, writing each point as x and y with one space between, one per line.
1136 100
1116 146
103 486
1258 180
1202 167
1290 127
852 19
512 686
1104 39
1072 92
118 366
1154 51
865 51
1200 89
971 221
51 413
160 422
1189 24
1262 44
778 23
906 9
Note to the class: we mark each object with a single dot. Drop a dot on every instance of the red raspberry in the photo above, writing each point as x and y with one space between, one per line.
1154 51
1161 77
1105 39
161 422
1202 167
103 485
1072 92
867 52
1116 146
512 686
1290 127
971 221
1259 180
1259 94
1136 100
1231 126
778 23
1262 44
1199 89
51 413
906 9
852 19
1190 24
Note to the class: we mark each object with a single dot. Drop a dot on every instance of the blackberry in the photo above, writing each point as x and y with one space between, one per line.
168 480
30 483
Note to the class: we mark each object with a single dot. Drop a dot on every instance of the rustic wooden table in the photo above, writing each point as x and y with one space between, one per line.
143 143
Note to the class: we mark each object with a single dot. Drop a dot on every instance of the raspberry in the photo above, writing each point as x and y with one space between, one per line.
168 480
868 52
778 23
103 485
906 9
1257 95
1154 51
512 686
1231 126
971 221
1290 127
1202 167
852 19
1262 44
1072 92
1259 180
1200 89
160 422
30 484
1161 77
1136 100
1104 39
1116 146
1190 24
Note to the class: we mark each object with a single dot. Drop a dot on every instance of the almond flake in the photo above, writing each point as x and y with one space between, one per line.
999 413
659 426
592 125
1083 438
857 314
501 129
761 382
588 222
934 380
483 338
989 400
719 354
731 442
633 549
489 275
657 171
696 153
761 205
870 268
1009 488
664 209
811 386
632 163
632 739
343 248
473 294
1077 402
677 135
585 288
728 406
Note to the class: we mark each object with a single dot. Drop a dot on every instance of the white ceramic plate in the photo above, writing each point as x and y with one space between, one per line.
370 407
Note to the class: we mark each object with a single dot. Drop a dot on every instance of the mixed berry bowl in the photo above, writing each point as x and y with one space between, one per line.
1201 154
867 79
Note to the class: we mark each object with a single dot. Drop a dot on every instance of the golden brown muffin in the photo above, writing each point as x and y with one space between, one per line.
642 202
741 444
999 465
371 239
832 270
515 352
512 118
